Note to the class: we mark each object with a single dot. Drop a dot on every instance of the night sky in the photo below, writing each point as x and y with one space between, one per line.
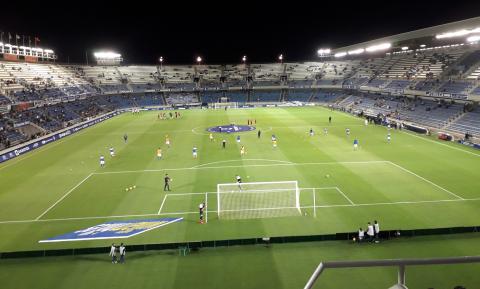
220 32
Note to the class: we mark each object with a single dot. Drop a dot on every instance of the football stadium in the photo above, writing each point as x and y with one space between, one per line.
358 168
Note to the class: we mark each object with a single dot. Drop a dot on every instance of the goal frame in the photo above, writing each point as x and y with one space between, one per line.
220 105
297 192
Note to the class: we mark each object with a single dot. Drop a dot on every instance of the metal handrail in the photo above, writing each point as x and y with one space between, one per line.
401 263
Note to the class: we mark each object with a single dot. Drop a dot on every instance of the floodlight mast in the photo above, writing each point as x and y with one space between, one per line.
161 62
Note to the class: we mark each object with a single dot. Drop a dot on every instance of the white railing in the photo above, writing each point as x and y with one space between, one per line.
400 263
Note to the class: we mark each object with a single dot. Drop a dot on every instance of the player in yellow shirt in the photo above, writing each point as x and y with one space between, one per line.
242 151
167 140
159 154
211 137
274 143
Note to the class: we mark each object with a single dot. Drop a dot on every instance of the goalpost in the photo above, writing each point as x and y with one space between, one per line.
258 200
222 105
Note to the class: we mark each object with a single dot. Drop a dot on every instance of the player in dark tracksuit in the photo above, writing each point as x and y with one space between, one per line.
167 179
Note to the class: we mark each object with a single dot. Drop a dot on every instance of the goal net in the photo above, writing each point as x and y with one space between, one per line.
222 105
258 200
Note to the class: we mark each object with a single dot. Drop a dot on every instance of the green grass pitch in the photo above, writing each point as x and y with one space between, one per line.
412 182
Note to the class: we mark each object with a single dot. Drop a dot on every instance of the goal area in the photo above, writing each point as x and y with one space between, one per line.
258 200
222 105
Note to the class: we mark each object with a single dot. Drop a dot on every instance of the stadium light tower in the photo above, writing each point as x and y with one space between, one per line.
161 62
324 52
280 58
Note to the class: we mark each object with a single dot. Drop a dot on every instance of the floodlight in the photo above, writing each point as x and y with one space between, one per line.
1 43
340 54
356 51
160 59
280 57
422 45
405 48
377 47
199 59
244 58
474 38
48 51
106 55
457 33
324 51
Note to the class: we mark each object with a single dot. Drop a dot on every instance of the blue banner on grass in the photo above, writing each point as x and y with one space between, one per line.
113 230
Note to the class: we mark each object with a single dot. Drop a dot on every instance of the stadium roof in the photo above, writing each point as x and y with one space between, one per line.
421 36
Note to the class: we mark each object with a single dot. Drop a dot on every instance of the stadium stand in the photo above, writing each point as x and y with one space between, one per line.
53 90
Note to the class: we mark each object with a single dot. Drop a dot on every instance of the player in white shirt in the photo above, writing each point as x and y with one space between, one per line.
238 139
194 152
370 231
388 137
325 131
366 122
102 161
347 131
311 132
112 152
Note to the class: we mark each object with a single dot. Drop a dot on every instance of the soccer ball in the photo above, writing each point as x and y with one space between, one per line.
134 187
131 188
327 176
126 190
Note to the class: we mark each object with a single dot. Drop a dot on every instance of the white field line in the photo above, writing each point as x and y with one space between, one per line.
242 166
426 139
442 144
214 211
267 129
230 161
345 196
161 206
64 196
430 182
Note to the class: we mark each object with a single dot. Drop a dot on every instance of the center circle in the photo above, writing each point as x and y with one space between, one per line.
230 128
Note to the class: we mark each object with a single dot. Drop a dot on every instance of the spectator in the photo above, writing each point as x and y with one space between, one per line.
361 235
376 227
122 253
370 231
113 253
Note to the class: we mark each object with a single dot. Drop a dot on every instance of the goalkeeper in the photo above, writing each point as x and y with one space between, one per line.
239 182
201 208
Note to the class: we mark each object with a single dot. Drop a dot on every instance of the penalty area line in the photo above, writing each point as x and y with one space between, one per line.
161 206
424 179
215 211
63 197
